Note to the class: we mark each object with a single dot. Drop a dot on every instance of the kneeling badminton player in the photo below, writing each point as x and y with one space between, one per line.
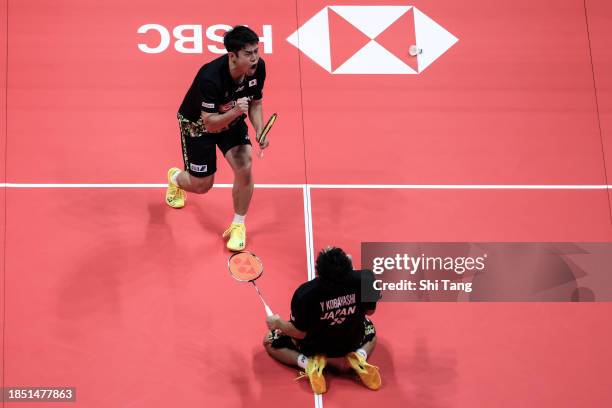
328 323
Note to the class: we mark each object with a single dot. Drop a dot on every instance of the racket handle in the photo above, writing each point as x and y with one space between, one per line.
268 310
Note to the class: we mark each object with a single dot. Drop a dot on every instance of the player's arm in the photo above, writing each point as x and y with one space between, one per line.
214 122
275 322
256 118
256 115
298 326
370 293
256 108
210 95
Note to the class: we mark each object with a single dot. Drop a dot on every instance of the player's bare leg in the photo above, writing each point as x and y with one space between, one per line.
341 365
180 181
198 185
240 160
283 355
312 366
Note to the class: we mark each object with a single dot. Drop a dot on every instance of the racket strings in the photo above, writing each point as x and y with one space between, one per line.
245 266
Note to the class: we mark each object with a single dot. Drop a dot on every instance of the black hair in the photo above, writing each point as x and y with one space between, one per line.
239 37
333 265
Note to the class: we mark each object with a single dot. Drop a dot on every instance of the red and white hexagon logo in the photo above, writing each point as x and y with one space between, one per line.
372 39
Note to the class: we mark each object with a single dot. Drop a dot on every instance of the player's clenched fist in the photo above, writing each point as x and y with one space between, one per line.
242 105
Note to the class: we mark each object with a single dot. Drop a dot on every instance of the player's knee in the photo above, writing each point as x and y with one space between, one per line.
370 345
201 189
202 186
373 341
267 343
272 352
243 165
244 178
244 175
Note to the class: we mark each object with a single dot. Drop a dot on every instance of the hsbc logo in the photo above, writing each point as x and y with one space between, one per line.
190 38
372 39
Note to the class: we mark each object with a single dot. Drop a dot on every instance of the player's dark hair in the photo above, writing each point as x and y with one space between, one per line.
333 266
239 37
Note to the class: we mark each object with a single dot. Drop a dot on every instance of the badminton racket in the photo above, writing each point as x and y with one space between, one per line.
264 133
246 267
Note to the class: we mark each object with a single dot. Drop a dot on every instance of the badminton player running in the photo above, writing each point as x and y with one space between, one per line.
328 323
212 114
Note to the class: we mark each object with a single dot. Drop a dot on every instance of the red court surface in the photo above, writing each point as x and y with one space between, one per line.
95 94
371 215
508 103
134 306
2 268
3 42
459 355
600 14
110 291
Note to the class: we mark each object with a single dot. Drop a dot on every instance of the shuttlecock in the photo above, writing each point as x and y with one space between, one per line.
414 50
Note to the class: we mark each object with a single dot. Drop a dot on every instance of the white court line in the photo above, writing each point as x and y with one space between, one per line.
127 185
466 186
308 229
334 186
318 399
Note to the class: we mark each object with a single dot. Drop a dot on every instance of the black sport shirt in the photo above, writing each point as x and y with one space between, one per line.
213 90
332 317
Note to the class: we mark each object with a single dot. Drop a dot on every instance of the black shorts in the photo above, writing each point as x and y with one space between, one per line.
280 340
199 153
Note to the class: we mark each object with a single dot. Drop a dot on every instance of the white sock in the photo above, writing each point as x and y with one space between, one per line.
174 177
239 219
302 361
363 353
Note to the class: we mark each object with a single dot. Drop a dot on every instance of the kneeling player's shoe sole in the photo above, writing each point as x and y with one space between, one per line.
314 372
368 373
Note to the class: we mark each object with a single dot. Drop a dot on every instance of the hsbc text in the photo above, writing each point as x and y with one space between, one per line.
189 38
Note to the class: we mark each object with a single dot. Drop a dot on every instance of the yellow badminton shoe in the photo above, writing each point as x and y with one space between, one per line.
370 377
314 372
237 237
175 196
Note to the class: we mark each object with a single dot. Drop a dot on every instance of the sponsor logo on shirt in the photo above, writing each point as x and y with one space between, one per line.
208 105
240 88
252 82
199 168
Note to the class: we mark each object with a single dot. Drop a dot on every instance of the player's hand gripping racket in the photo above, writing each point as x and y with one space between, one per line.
246 267
264 133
